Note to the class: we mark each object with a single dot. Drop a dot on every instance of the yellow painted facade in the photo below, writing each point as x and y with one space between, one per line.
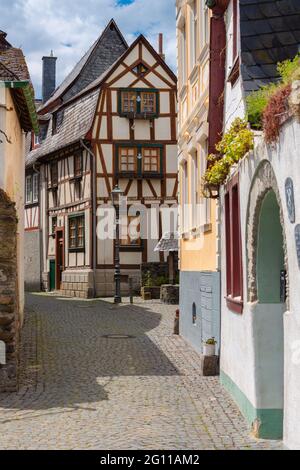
198 245
12 164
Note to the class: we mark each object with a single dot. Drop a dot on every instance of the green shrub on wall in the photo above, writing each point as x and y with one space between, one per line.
258 101
236 142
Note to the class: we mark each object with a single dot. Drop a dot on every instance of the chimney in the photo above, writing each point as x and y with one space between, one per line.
49 76
160 46
4 44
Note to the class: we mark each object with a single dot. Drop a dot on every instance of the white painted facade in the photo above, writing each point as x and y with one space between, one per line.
260 347
251 341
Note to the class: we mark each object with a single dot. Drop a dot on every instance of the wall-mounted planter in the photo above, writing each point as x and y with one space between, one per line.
211 191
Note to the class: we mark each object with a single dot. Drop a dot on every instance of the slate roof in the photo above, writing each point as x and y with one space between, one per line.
72 129
270 33
105 50
168 242
13 68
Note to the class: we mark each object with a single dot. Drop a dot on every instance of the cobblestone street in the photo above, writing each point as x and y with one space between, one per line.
83 390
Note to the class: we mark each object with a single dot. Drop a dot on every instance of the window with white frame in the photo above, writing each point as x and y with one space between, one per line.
184 198
194 189
35 187
193 33
205 23
28 189
32 188
183 55
205 210
36 140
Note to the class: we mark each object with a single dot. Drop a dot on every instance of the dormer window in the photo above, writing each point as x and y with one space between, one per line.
78 165
57 120
54 174
139 103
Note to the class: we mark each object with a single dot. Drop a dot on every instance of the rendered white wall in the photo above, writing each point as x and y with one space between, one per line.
238 358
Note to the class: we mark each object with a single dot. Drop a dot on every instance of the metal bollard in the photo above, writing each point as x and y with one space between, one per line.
130 281
176 323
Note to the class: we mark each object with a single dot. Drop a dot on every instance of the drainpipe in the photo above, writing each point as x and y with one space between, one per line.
36 170
217 65
94 209
216 71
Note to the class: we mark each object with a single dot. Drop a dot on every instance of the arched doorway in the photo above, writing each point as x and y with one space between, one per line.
267 292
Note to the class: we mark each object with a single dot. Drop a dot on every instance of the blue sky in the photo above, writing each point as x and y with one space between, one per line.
69 27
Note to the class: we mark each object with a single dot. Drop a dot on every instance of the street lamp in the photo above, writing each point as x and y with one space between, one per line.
115 197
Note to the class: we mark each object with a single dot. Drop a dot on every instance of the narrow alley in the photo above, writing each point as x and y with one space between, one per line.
100 376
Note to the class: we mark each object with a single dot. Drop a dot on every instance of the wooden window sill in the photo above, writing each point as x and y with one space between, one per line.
76 250
235 304
136 248
235 72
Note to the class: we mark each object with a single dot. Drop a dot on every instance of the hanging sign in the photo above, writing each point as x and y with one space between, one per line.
2 353
290 200
297 238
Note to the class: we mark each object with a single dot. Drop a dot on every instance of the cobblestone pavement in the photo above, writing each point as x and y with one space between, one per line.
82 390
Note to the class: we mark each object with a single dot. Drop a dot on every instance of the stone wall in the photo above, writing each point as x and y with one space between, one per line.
158 269
9 320
77 284
80 283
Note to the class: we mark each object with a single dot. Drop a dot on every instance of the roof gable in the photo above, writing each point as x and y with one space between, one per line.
101 55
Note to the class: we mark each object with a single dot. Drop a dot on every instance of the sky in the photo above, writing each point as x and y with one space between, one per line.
69 27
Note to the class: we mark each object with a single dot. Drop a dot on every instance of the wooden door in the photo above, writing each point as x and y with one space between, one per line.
59 257
52 275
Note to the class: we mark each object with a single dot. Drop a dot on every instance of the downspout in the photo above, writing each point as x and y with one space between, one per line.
40 231
216 93
216 71
94 210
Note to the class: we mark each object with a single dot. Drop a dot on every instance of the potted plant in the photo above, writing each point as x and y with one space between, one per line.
209 347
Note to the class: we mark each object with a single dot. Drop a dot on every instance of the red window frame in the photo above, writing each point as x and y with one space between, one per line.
235 30
234 265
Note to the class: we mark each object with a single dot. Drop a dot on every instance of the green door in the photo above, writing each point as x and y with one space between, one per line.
52 274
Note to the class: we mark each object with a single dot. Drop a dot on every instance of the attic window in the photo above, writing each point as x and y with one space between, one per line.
140 69
57 121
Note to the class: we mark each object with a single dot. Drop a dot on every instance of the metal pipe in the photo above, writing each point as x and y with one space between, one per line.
94 209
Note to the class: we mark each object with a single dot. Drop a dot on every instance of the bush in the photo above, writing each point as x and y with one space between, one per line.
272 115
236 142
258 101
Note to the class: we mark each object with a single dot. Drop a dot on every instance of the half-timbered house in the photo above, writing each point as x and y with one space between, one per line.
118 129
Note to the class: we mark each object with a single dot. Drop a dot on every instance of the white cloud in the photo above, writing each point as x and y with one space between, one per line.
69 27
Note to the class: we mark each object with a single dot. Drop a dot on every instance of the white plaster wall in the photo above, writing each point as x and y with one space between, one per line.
164 102
142 130
162 129
234 104
238 359
147 56
120 128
